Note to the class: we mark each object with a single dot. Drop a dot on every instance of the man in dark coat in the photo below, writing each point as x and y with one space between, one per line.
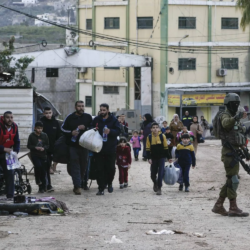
187 120
73 127
108 125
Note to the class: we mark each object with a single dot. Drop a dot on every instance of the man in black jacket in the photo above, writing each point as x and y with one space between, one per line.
73 127
106 158
52 128
187 120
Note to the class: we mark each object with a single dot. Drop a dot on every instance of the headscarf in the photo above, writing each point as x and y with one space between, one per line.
197 119
149 119
174 119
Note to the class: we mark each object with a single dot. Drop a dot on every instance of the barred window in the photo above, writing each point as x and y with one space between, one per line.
52 72
88 101
110 90
187 64
112 23
229 23
88 24
229 63
187 22
145 22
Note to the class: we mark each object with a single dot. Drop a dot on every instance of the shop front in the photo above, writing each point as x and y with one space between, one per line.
201 103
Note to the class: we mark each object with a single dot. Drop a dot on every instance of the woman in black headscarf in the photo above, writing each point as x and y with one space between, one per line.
145 131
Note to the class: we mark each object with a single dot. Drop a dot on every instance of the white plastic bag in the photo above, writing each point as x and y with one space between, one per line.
91 140
171 174
12 161
173 152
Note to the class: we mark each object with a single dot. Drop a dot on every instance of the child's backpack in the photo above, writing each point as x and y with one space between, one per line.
150 138
217 126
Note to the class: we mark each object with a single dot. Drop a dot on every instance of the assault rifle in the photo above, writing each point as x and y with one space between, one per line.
238 156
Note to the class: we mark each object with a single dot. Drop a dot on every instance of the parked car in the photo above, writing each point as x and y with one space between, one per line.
189 102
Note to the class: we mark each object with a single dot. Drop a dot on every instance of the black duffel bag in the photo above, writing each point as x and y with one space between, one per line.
61 151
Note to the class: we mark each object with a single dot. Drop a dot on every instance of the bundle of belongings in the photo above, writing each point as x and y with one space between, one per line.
33 205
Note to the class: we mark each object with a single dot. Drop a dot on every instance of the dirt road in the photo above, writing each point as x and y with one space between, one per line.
131 212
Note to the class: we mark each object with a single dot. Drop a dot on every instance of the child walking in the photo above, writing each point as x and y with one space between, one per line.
164 128
157 151
136 142
186 157
123 161
170 140
38 143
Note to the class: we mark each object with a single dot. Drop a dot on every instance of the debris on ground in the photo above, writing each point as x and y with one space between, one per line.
4 234
20 214
199 235
212 188
152 232
114 240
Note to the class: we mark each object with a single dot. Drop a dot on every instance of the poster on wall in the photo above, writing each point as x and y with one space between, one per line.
196 100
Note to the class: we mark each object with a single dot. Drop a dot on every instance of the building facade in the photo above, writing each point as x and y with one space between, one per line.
198 49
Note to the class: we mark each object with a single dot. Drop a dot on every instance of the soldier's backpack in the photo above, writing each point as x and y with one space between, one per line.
217 126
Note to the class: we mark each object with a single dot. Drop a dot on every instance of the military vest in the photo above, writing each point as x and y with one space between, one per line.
235 136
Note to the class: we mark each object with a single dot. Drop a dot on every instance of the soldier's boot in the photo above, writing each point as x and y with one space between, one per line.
234 211
219 208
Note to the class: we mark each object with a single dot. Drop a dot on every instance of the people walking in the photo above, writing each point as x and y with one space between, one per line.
170 140
38 143
176 126
73 127
122 134
123 161
109 128
52 129
125 124
136 142
145 131
196 129
157 152
205 126
165 126
187 120
9 141
186 157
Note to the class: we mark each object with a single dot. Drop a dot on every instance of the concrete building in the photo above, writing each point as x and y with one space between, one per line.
47 17
198 49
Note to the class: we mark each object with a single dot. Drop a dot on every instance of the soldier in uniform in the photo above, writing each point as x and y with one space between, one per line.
230 131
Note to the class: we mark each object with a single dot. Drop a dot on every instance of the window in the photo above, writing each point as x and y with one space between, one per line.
51 72
187 64
229 23
110 90
145 22
229 63
111 67
88 24
187 22
33 75
88 101
112 23
130 114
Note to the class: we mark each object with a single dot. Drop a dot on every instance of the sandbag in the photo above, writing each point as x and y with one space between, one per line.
61 151
171 174
91 140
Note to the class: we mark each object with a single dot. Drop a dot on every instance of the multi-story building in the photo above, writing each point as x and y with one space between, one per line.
198 49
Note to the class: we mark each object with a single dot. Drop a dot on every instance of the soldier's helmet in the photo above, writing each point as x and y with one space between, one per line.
231 97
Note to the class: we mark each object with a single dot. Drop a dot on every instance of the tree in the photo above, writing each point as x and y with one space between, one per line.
244 6
17 71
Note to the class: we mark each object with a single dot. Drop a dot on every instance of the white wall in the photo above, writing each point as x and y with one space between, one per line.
20 102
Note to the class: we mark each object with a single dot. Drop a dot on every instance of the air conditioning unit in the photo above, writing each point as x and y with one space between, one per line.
82 70
221 72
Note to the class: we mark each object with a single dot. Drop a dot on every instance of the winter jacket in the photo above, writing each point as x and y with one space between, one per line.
71 123
125 125
109 147
175 128
157 148
9 139
185 154
38 141
136 141
194 127
52 128
123 156
187 120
